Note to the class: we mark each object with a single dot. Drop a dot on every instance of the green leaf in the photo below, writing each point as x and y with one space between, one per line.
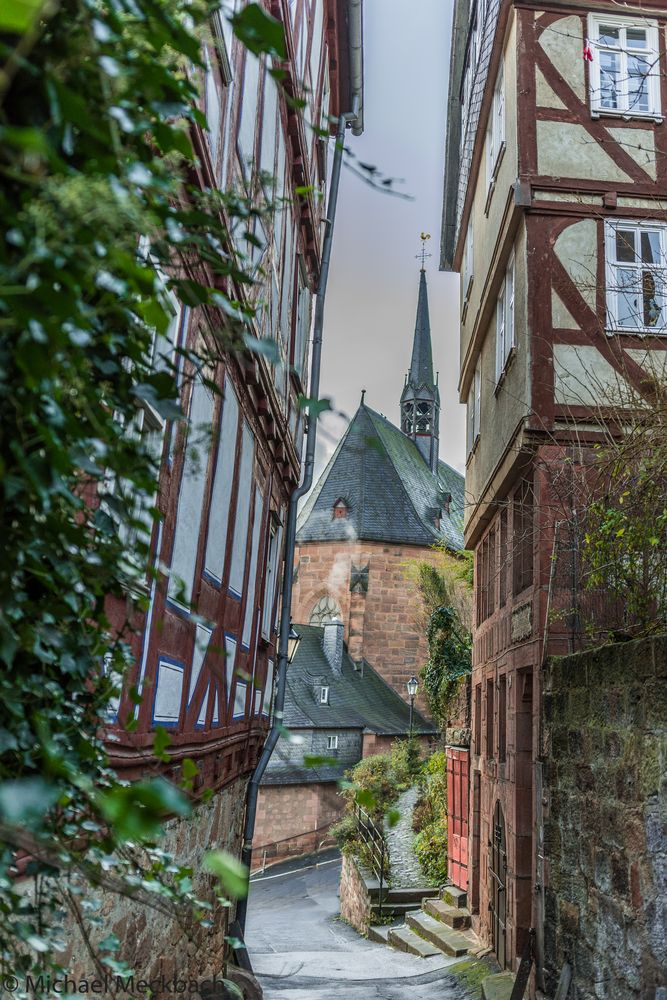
17 16
189 768
26 801
365 799
230 872
392 817
160 743
313 760
259 32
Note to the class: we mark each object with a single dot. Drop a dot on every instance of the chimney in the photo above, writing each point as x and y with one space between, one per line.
332 644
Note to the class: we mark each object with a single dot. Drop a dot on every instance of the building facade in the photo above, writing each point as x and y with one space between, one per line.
554 216
206 645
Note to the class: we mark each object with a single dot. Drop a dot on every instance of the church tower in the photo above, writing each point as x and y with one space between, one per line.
420 399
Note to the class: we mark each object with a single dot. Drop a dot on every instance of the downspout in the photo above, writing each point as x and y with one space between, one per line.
290 533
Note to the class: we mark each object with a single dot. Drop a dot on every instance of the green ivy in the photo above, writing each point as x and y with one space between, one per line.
450 660
96 113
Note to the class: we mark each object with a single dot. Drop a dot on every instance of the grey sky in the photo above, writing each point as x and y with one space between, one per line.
373 284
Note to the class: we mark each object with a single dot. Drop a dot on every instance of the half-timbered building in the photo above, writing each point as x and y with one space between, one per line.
205 647
554 215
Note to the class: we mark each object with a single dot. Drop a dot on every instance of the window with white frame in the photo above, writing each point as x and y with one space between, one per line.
332 742
474 407
468 262
625 66
495 131
324 695
636 276
505 321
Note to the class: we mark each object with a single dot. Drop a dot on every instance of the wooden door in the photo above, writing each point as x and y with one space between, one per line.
457 815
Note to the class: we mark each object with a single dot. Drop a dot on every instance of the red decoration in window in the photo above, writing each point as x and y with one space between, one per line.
588 52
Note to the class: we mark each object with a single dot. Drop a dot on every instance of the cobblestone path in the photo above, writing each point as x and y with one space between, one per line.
404 866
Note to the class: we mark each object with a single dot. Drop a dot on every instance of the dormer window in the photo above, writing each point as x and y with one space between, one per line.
339 509
324 695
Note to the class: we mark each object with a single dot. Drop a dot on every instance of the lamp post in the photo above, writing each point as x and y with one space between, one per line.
293 641
412 686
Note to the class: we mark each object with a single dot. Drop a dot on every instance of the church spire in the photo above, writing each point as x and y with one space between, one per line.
420 399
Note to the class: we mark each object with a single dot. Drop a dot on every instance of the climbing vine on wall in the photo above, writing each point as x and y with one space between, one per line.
450 660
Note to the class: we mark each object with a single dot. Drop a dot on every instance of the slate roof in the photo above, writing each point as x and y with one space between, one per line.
390 491
358 699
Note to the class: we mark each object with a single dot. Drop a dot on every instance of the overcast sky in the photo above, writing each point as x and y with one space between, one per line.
373 283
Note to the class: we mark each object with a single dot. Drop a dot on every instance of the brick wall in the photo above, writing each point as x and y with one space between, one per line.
294 819
380 625
355 902
605 748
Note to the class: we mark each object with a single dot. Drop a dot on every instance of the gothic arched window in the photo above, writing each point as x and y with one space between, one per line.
326 610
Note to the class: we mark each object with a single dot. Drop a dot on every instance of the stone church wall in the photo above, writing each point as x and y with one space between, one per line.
605 745
381 625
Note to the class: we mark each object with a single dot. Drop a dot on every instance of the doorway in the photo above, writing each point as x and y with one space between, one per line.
497 886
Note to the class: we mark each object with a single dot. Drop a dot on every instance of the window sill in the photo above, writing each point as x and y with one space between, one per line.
643 331
646 116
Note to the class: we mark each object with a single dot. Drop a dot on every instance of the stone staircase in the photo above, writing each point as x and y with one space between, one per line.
440 926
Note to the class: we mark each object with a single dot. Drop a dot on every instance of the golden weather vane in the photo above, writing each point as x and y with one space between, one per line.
422 255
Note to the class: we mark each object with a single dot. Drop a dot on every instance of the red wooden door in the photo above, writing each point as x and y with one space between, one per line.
457 815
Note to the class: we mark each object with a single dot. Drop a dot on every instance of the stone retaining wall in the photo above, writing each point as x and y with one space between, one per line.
159 945
355 900
605 749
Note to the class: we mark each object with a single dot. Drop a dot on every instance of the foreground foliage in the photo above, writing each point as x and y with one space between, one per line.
96 113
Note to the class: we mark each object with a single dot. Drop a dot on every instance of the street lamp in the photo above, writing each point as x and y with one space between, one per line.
412 686
293 640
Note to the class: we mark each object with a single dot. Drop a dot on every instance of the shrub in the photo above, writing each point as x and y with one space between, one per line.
344 832
431 850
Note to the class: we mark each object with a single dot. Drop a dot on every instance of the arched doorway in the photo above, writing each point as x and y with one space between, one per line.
497 885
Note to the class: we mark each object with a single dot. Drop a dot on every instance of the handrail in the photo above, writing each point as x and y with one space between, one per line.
373 838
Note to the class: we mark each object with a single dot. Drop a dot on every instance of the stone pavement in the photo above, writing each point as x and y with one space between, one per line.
301 950
404 866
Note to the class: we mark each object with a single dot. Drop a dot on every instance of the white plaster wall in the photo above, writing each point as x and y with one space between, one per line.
576 249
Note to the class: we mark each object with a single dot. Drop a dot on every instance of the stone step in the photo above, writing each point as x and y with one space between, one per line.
402 894
405 894
379 933
397 909
404 939
455 896
498 986
446 914
445 939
